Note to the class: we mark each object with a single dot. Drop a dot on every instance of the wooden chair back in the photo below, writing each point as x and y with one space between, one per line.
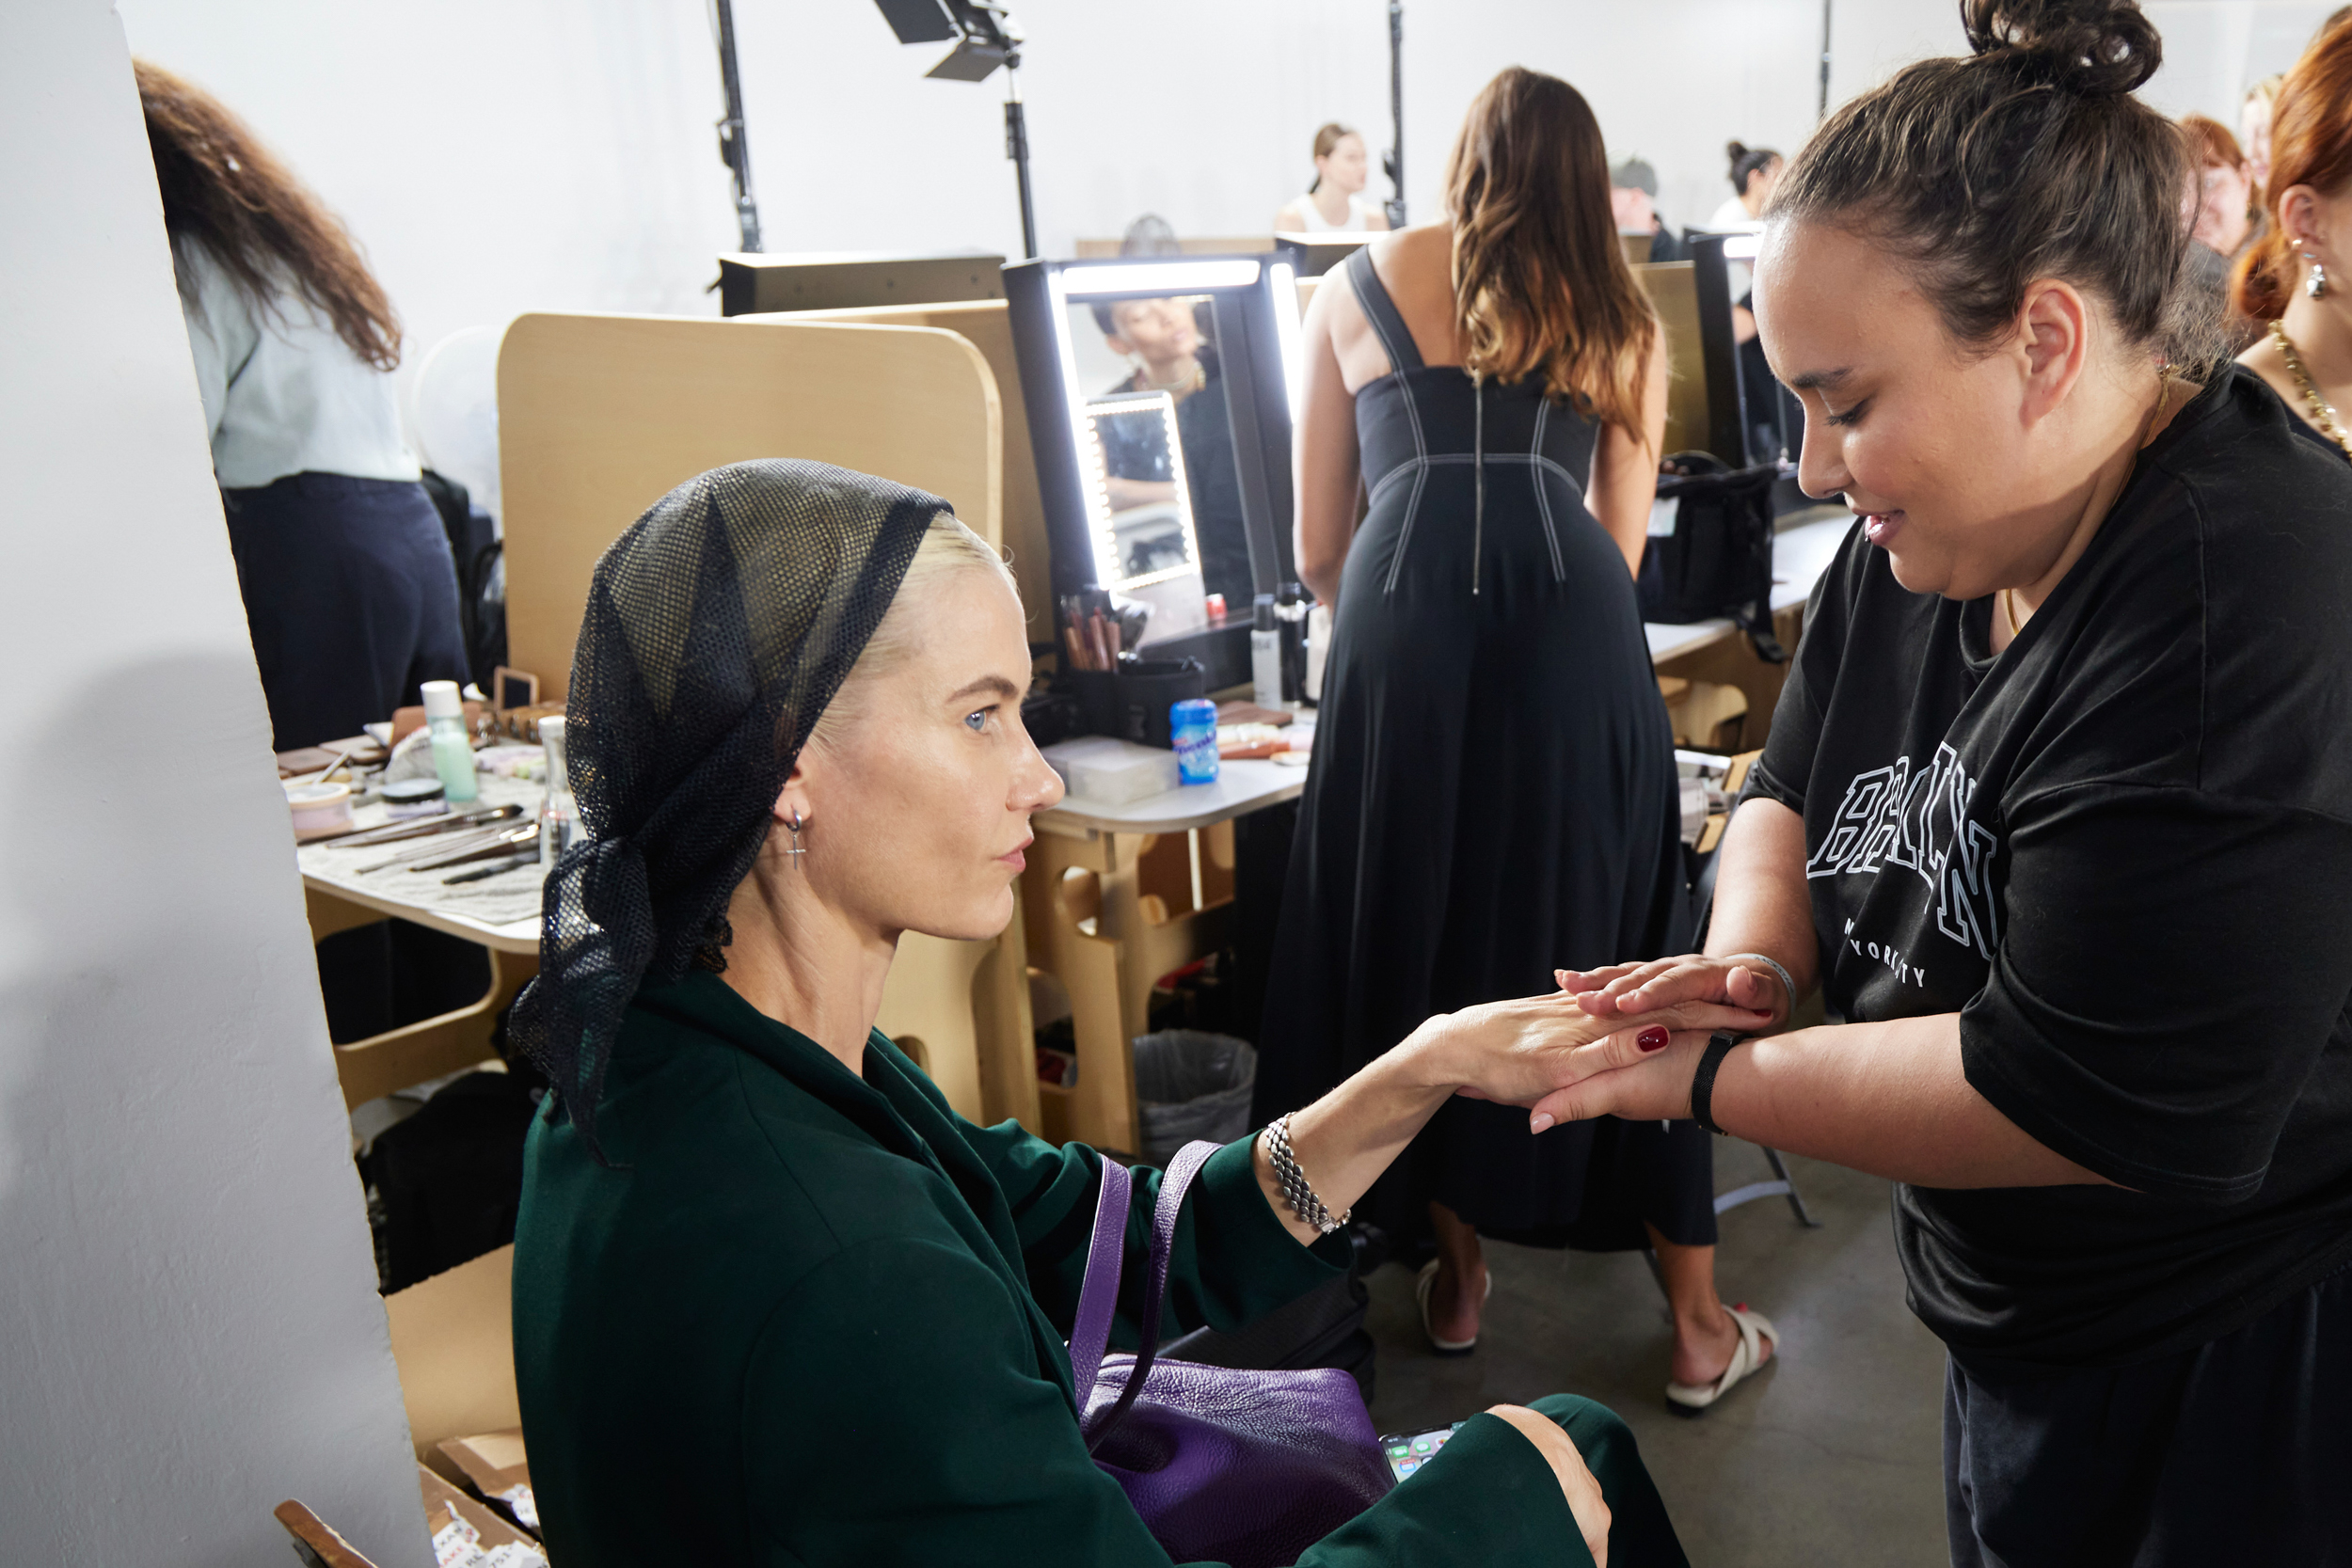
1673 294
601 415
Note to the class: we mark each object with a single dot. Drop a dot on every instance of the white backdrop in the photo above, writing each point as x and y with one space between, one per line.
189 1328
496 156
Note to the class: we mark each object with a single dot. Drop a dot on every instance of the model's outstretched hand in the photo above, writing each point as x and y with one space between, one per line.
1527 1049
1630 991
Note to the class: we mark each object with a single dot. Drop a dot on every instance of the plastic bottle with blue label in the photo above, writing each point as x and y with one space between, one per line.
1192 724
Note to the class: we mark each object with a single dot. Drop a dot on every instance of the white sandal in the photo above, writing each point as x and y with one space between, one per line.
1746 1356
1422 1283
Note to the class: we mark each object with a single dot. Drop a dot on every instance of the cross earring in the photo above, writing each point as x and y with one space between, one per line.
794 824
2315 286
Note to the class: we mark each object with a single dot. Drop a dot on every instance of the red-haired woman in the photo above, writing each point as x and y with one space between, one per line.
2298 277
348 585
1493 788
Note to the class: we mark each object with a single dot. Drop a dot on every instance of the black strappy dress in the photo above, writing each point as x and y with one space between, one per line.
1492 796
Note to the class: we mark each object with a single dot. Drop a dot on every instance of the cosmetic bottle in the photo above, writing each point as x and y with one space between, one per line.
558 814
453 748
1265 654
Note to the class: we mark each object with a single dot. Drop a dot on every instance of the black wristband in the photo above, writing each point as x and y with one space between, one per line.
1703 1083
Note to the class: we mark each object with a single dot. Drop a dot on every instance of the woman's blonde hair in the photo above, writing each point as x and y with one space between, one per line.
948 549
1541 287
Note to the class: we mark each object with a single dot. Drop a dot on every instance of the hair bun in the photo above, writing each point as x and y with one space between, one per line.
2096 48
1735 150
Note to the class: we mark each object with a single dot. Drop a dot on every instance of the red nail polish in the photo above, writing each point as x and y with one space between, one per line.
1655 1037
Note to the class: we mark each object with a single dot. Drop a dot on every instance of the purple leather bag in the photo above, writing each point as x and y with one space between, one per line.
1244 1467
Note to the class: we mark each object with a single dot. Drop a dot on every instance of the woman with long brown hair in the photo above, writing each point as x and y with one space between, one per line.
349 589
2296 278
1493 788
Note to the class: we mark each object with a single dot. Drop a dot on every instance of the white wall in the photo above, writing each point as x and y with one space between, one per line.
189 1331
558 155
497 156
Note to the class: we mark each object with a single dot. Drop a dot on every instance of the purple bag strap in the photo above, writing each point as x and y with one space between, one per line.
1173 1184
1098 1298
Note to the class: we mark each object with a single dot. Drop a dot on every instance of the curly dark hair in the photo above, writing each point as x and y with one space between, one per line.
225 191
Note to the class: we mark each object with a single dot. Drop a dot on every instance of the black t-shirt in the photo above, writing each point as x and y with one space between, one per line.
2121 852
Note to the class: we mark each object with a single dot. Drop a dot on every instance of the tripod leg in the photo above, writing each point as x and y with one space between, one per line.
1796 1199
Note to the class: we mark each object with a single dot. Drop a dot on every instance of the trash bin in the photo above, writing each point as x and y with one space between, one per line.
1192 1086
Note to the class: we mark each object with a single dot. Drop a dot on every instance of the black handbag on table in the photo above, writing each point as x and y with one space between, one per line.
1717 561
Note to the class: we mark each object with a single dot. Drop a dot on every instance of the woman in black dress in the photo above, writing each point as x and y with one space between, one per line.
1493 790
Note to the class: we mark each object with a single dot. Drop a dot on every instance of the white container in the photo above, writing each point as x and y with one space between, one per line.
1102 773
319 809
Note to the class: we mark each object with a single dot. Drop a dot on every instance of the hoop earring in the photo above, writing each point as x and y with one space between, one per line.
794 824
2315 286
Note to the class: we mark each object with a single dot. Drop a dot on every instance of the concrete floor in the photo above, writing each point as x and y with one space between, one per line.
1831 1454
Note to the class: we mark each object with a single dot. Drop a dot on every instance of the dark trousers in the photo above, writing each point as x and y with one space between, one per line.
2237 1451
351 599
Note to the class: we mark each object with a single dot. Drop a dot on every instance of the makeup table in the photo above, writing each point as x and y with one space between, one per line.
959 1009
340 897
1116 897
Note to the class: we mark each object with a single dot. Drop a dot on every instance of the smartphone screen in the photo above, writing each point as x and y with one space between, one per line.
1407 1452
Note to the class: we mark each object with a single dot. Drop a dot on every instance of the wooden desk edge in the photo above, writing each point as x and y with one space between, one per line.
509 938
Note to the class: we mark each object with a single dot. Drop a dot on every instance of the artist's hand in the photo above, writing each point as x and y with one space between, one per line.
1522 1050
1641 1072
1568 1467
1631 990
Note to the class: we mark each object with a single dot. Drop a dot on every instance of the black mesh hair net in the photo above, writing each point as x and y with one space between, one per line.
718 627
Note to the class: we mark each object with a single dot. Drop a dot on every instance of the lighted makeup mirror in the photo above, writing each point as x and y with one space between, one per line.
1160 393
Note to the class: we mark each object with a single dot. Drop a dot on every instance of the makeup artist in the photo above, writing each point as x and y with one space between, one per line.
2058 809
349 590
774 1300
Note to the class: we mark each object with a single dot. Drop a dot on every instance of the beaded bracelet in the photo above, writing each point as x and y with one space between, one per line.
1295 1192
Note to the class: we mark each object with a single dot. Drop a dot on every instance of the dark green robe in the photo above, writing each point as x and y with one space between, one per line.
810 1319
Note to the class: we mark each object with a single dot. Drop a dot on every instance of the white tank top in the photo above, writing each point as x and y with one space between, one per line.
1311 220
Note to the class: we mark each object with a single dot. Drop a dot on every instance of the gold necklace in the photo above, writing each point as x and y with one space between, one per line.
2323 412
2009 613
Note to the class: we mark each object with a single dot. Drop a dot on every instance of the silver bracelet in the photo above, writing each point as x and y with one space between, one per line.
1300 1196
1787 986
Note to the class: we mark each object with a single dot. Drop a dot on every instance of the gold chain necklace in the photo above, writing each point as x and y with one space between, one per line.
2323 412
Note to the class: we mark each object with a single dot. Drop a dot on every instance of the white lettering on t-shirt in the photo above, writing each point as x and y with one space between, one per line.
1919 821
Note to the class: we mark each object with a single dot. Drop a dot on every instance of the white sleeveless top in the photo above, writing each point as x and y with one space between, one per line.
1311 220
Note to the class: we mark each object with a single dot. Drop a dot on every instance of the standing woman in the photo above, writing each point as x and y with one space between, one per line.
349 590
2298 278
1336 200
1493 786
2055 808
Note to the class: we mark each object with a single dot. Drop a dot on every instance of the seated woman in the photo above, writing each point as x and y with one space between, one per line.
774 1300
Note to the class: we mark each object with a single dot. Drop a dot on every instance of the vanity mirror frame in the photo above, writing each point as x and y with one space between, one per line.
1255 311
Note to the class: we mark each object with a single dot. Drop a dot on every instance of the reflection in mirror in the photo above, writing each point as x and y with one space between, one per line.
1171 485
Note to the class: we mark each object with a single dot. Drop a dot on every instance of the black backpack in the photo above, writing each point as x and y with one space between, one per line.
475 550
1717 561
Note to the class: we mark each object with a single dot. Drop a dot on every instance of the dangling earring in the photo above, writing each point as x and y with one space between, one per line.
795 823
2315 286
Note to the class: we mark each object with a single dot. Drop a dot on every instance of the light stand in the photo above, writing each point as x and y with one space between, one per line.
1392 161
985 38
1824 112
734 151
